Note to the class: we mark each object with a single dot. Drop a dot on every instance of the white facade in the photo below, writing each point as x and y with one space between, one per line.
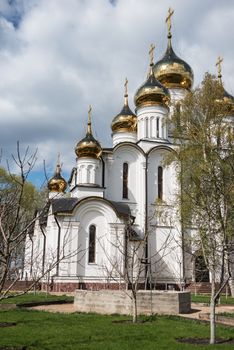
117 201
96 198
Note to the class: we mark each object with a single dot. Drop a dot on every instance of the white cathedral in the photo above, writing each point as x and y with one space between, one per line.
118 194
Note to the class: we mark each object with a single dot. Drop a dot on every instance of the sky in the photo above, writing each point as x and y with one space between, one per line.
57 57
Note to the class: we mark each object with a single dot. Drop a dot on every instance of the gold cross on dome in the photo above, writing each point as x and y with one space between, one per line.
218 65
58 159
126 86
89 113
168 20
151 53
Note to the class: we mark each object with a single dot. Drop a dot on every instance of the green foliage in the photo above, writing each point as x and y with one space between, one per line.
199 298
204 161
43 330
11 185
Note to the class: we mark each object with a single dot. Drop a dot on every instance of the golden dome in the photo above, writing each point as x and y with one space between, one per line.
126 120
88 147
171 70
57 183
152 92
227 99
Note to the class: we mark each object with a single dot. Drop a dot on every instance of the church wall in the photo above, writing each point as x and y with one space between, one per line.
107 226
156 159
165 255
136 180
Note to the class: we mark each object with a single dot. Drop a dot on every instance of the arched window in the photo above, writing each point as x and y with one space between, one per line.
146 127
125 180
157 127
177 114
92 243
160 182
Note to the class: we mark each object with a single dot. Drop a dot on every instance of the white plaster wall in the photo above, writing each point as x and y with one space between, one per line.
124 137
136 179
107 226
177 95
156 158
87 191
165 254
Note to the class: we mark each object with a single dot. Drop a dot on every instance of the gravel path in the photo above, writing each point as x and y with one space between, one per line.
64 308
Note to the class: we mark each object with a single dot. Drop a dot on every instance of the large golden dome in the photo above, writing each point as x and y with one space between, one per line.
171 70
152 92
57 183
126 120
88 147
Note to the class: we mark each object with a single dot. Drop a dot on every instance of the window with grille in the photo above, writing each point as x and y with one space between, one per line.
92 243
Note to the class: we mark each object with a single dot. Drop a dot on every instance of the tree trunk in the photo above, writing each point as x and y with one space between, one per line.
134 311
212 310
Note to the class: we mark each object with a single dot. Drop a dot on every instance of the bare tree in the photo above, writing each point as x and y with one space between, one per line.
17 223
129 265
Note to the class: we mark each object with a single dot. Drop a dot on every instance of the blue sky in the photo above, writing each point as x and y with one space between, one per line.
57 57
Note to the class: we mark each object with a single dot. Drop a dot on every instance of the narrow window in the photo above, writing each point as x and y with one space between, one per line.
125 180
157 127
146 128
92 243
152 127
160 182
177 114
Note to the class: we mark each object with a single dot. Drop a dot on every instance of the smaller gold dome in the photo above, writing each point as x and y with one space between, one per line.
57 183
88 147
227 99
152 92
126 120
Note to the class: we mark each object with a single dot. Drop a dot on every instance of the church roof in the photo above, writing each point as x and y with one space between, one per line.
63 205
67 205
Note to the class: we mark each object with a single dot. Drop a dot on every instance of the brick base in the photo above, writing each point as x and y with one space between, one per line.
20 286
204 288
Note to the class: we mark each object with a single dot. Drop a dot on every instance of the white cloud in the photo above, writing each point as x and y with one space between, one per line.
64 55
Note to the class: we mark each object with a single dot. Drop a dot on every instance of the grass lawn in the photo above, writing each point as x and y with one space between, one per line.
206 299
226 314
39 297
44 330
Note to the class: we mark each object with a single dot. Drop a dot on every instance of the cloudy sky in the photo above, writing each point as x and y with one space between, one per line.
59 56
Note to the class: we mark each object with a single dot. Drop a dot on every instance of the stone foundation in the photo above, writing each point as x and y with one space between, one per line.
148 302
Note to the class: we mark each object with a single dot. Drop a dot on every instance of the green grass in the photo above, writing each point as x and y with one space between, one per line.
227 314
44 331
39 297
206 299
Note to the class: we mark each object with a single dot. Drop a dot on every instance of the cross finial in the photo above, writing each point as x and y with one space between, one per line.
219 68
89 130
126 86
151 54
58 166
168 21
126 92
